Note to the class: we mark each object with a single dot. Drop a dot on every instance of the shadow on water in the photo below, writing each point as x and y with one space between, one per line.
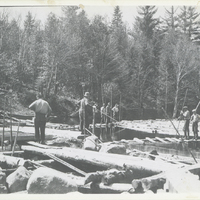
72 121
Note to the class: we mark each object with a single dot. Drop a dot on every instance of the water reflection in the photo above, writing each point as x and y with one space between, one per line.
68 120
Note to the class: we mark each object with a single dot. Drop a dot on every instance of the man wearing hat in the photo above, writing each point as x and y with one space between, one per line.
185 114
195 118
84 112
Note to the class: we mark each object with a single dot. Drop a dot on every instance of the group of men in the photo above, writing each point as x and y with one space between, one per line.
108 114
43 110
195 118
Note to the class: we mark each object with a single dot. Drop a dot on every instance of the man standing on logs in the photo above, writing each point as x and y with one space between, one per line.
195 118
185 114
108 124
84 113
115 111
42 111
103 112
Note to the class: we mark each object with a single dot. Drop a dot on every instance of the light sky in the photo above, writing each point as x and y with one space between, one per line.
129 10
41 13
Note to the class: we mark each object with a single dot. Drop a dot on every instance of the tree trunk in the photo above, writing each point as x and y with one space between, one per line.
141 167
176 101
49 83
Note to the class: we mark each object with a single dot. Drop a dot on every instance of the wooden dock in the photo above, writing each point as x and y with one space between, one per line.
140 129
150 128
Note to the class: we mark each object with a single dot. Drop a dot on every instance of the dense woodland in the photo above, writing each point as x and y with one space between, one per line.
153 64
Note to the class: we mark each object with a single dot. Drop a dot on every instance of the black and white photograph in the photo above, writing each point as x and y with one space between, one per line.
100 98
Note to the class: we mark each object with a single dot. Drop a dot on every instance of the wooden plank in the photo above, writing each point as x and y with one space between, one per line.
161 140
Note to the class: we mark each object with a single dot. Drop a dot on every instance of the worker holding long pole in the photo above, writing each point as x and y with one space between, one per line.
179 134
83 113
195 118
185 114
183 104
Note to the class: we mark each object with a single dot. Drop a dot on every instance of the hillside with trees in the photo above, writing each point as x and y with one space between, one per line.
154 64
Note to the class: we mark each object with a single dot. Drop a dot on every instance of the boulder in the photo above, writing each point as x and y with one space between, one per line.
3 188
2 178
49 181
18 179
91 143
149 183
113 148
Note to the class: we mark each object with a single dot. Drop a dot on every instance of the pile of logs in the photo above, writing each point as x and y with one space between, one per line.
66 170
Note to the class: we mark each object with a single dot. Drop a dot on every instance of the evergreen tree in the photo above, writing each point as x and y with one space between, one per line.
118 32
117 18
170 21
146 21
188 21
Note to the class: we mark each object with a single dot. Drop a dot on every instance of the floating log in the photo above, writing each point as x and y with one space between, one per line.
42 145
7 162
10 161
110 176
142 167
99 188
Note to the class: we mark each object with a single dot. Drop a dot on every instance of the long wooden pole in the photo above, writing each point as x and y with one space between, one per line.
84 121
93 121
183 104
15 141
66 164
102 94
11 122
197 105
111 97
4 110
120 106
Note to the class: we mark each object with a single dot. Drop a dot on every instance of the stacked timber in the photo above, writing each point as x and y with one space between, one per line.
116 173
